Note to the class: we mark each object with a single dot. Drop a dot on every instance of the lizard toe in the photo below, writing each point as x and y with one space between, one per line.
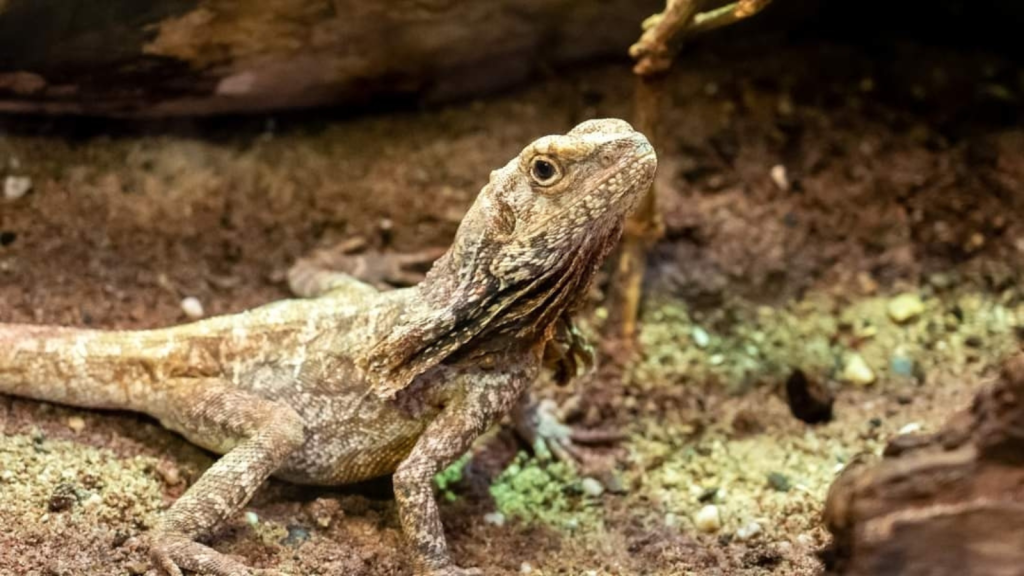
170 554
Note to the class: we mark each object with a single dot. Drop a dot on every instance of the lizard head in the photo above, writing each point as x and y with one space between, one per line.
557 197
526 251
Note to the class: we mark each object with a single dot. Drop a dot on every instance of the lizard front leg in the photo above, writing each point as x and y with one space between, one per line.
476 405
257 435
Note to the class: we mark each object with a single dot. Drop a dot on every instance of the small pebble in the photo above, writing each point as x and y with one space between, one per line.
902 366
525 568
905 308
708 519
169 473
63 497
910 428
856 371
748 531
16 186
93 500
296 536
495 518
671 520
779 482
76 423
192 308
779 177
700 336
252 518
592 487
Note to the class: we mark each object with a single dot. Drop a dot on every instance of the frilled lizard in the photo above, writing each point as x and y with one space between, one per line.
350 383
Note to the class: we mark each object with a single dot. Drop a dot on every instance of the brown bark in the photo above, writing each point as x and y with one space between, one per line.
950 503
172 57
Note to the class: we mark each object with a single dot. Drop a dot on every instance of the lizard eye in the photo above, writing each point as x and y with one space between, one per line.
545 171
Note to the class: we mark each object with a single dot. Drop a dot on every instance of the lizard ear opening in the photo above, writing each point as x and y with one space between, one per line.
503 217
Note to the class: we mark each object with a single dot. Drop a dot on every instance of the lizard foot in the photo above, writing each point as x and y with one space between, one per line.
540 426
381 269
171 554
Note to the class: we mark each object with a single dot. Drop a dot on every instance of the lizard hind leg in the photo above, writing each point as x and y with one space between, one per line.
256 436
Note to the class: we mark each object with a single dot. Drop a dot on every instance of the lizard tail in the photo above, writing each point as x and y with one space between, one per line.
84 368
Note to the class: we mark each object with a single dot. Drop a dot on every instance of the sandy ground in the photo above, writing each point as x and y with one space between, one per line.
903 177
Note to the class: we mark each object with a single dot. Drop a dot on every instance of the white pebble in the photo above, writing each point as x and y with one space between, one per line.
192 308
495 518
16 186
671 520
708 519
856 371
779 177
592 487
910 428
252 518
700 336
905 308
748 531
525 568
93 501
76 423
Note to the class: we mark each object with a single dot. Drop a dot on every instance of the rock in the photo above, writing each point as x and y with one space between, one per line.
856 371
708 519
192 308
809 400
779 482
16 186
296 536
779 177
495 518
252 518
671 520
911 428
76 423
905 308
64 496
902 366
700 336
748 531
169 473
592 487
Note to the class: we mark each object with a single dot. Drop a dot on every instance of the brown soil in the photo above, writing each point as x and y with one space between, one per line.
905 177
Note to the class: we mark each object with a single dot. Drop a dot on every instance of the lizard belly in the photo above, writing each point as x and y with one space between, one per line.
347 450
351 434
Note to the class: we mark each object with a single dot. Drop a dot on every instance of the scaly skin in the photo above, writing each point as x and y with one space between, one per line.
351 383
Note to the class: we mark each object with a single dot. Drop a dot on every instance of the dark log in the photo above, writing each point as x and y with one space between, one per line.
950 503
175 57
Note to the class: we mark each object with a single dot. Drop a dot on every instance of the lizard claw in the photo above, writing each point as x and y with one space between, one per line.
170 553
549 437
